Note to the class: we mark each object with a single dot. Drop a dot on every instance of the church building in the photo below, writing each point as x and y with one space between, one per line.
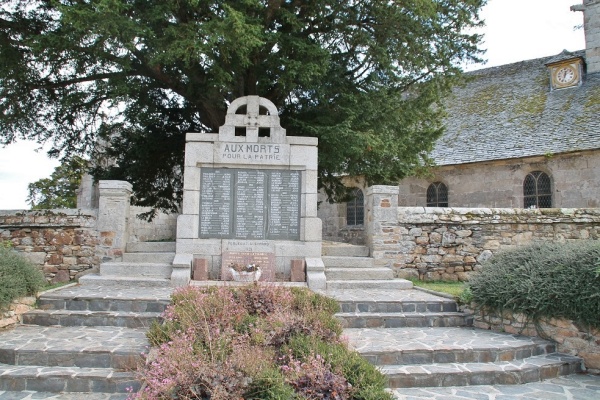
522 135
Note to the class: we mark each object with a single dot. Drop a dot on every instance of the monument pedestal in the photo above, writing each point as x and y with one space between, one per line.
249 191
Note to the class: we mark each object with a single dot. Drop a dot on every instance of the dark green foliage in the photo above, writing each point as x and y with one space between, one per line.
18 277
365 77
60 190
543 280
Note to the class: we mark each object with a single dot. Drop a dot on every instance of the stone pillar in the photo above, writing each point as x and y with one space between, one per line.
87 193
591 26
113 217
381 213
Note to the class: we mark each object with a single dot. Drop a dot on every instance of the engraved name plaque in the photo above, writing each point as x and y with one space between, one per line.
250 204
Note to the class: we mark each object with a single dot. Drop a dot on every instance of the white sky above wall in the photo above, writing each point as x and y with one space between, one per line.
515 30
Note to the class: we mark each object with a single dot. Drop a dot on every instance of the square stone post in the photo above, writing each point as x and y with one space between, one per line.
382 211
113 217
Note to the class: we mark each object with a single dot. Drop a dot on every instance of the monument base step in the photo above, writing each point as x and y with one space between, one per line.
337 249
234 283
149 257
359 274
347 262
137 269
118 281
391 284
151 247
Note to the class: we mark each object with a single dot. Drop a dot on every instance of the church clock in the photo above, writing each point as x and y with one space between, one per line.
565 74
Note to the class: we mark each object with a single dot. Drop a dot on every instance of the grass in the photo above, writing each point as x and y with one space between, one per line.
449 287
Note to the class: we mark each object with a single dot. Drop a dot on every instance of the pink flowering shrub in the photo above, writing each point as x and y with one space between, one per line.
239 343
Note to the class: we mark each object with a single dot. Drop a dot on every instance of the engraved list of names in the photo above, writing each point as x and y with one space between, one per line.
250 204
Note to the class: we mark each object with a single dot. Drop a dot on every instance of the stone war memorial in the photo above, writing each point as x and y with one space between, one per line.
250 197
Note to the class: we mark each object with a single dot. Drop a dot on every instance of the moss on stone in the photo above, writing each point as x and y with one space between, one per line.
486 100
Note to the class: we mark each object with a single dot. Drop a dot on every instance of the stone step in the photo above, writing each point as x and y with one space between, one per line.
162 258
124 282
136 269
344 249
392 284
347 262
102 305
405 306
81 346
151 247
402 346
137 298
530 369
90 318
402 320
357 274
65 380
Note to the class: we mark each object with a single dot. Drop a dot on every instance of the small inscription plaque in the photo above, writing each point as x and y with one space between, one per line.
266 261
250 204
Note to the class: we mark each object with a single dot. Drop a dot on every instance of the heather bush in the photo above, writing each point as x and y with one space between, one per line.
367 382
254 342
18 277
543 280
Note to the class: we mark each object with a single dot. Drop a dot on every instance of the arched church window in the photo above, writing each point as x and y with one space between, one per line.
355 208
537 190
437 195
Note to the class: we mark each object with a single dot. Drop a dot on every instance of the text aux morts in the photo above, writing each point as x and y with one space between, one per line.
244 151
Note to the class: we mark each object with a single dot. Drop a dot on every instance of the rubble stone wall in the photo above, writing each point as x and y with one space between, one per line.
571 338
63 243
13 315
450 243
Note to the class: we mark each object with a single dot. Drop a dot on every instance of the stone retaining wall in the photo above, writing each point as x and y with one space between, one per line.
63 243
450 243
13 314
571 338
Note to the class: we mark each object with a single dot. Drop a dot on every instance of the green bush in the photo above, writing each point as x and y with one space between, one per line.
543 280
18 277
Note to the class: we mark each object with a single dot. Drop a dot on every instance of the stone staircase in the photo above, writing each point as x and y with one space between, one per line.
88 339
144 263
82 339
350 267
420 340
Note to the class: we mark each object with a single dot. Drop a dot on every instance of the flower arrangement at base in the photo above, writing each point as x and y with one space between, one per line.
245 272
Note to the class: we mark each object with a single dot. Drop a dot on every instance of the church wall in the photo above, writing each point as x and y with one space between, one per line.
333 217
575 182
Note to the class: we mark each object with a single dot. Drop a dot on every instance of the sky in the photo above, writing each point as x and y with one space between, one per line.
515 30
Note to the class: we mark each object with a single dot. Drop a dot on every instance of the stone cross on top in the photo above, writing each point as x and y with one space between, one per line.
252 119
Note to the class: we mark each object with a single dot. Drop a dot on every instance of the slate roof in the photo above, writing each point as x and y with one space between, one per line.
509 112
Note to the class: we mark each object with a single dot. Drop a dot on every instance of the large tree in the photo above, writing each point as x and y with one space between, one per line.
60 189
364 76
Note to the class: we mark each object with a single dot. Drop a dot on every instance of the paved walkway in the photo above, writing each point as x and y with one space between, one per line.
572 387
28 395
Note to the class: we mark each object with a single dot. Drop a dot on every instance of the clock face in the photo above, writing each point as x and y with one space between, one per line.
565 75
